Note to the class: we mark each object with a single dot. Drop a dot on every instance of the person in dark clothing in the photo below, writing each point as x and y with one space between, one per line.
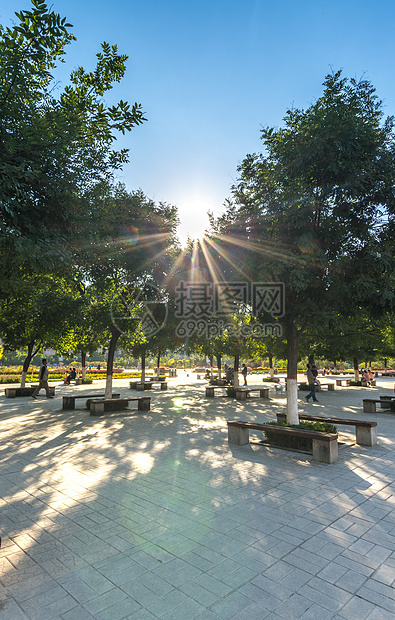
71 376
311 374
43 381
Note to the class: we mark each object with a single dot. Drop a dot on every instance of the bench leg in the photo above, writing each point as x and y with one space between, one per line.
163 386
97 408
144 404
210 392
241 395
264 393
10 393
331 387
325 451
366 436
369 407
238 436
68 402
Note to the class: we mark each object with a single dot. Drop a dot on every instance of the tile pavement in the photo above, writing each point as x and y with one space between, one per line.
154 515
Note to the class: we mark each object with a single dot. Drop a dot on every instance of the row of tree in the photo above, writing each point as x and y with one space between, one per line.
87 264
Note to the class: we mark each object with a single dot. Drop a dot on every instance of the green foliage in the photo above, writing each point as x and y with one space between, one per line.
53 149
298 443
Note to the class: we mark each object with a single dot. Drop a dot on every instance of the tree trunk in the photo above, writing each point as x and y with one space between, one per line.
83 364
236 371
334 367
311 359
31 352
271 368
143 367
115 333
211 365
291 334
219 366
158 364
356 369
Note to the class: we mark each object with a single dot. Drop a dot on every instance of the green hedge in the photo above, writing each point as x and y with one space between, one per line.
298 443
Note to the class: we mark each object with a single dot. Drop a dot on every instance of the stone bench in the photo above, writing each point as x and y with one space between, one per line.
147 385
210 389
69 401
242 393
25 391
99 407
318 388
339 382
325 447
369 404
365 432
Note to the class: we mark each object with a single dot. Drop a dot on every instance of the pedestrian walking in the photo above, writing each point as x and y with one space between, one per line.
311 379
43 381
244 372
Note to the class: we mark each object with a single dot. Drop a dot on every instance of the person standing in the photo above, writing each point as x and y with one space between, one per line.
43 381
244 372
311 377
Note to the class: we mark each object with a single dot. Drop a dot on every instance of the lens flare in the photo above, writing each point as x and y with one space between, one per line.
131 235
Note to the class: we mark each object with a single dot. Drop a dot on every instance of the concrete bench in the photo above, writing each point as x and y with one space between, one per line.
325 447
318 388
69 401
369 404
25 391
339 382
98 407
365 432
147 385
243 393
329 386
210 389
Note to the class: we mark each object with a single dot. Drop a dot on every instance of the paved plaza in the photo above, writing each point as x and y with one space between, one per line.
153 515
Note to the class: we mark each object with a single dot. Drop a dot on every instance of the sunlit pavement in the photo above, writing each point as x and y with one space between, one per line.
153 515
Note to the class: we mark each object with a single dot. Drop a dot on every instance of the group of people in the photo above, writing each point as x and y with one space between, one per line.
71 376
367 375
230 374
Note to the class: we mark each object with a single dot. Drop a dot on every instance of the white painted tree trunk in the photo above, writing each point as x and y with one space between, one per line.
83 372
236 379
23 379
108 391
271 372
292 401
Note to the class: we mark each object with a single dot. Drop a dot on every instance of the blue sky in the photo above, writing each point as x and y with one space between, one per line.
210 73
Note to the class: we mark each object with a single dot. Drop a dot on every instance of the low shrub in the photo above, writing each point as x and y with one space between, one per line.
355 383
271 380
231 391
298 443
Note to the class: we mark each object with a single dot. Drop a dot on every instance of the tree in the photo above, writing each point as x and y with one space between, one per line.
52 149
126 257
36 318
309 213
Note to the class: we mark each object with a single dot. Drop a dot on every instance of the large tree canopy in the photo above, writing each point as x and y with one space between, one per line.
312 211
52 148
